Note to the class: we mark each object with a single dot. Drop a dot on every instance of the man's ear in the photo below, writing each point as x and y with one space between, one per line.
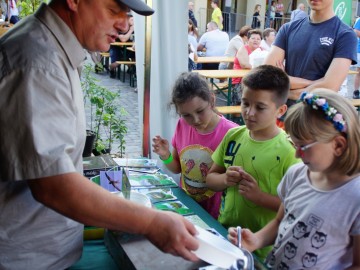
73 4
282 110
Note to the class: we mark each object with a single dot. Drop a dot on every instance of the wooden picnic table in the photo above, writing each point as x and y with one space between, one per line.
223 74
236 109
4 28
124 46
352 72
122 43
214 59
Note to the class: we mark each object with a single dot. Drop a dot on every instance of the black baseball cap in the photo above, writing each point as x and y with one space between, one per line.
137 6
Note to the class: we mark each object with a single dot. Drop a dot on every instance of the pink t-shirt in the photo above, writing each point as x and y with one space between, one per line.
195 150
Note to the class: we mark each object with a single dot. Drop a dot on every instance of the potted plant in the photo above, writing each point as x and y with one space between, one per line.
106 118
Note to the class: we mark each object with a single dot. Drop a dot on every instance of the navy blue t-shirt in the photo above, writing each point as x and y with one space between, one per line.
310 47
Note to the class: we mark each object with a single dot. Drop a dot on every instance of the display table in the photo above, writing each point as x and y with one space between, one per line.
136 252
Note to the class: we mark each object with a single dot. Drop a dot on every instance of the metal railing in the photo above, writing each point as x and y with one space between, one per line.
234 21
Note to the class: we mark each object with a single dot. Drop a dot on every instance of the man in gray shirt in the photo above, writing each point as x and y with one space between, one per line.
44 198
298 13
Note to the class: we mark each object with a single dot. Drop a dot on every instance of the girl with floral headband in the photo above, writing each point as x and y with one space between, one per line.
318 222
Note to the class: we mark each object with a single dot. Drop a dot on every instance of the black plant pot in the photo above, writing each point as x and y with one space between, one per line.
102 152
89 143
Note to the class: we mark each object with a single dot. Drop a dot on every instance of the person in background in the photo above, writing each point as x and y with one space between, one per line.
242 61
272 14
192 57
318 194
308 69
356 93
191 14
279 13
256 21
269 35
3 7
234 45
215 42
44 197
251 160
216 15
12 11
117 52
198 132
298 13
193 31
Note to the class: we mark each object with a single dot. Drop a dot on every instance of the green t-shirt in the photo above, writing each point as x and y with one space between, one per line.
215 17
266 161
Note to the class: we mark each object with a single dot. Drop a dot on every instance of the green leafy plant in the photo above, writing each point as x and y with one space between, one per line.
106 117
28 7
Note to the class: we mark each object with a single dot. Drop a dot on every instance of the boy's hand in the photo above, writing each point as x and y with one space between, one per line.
248 239
161 147
248 187
233 175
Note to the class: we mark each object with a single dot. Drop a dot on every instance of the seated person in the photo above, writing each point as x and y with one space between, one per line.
117 52
242 61
268 39
234 45
215 42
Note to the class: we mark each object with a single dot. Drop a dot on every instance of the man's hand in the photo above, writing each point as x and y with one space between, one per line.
173 234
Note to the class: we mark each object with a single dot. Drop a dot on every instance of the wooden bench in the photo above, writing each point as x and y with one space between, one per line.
105 59
355 103
229 109
352 72
232 113
221 85
124 64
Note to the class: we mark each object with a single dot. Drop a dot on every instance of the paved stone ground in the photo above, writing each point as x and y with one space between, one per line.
129 101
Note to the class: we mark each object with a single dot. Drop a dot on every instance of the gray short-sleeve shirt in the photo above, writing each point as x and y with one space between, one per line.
317 228
42 134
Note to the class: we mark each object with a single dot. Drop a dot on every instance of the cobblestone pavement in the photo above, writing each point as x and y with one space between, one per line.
129 101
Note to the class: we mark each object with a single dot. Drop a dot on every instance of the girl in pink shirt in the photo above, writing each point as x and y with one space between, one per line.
198 132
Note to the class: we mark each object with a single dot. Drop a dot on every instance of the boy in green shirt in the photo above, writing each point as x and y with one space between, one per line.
251 160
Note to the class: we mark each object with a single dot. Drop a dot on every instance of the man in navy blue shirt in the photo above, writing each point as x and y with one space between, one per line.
318 50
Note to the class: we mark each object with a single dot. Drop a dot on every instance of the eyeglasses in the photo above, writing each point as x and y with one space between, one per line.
302 149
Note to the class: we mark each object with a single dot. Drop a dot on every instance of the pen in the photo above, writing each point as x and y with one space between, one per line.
238 228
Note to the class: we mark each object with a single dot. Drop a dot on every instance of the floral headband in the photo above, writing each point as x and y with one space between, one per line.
331 113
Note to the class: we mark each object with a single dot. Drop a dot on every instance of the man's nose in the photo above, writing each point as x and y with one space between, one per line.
122 24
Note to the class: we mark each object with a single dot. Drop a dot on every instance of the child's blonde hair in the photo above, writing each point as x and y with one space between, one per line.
306 123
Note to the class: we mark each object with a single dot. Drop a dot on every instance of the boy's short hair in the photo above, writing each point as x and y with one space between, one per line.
269 78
